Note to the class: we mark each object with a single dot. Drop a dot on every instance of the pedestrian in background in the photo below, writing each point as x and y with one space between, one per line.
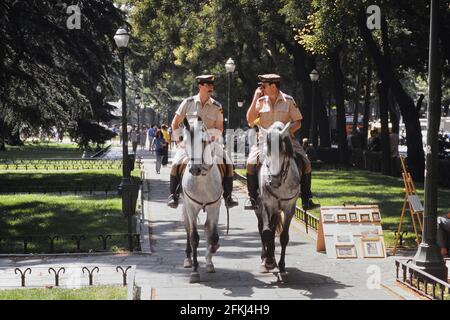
160 144
143 137
166 136
151 136
134 137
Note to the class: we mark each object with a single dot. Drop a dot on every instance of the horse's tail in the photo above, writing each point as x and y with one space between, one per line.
279 225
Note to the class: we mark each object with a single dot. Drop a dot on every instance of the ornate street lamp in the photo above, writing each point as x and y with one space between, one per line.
314 76
229 67
127 189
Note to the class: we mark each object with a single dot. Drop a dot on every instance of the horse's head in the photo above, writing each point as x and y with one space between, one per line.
198 147
278 152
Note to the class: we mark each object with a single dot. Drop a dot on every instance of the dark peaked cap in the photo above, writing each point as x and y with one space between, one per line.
206 78
269 77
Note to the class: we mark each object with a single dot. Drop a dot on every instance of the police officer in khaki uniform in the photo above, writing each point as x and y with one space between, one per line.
269 105
204 106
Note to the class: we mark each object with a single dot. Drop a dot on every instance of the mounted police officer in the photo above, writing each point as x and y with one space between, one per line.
204 106
269 105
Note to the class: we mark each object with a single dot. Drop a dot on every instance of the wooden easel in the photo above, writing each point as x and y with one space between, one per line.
415 206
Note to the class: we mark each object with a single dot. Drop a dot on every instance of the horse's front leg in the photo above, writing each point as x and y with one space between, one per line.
284 240
194 241
268 238
212 237
188 260
260 229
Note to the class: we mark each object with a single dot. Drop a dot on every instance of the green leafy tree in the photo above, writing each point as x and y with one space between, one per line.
50 73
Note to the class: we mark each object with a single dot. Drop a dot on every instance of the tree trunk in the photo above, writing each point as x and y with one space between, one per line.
338 78
384 115
356 98
393 114
416 156
419 103
365 129
323 121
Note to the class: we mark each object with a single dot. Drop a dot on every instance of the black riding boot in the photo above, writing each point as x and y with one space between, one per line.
173 198
305 185
252 187
227 189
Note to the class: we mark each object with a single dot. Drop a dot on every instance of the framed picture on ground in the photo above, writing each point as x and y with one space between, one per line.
342 217
365 217
344 239
370 233
328 217
372 249
376 216
345 251
353 216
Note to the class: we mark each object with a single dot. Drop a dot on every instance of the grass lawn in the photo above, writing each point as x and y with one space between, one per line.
36 215
42 151
65 180
88 293
336 187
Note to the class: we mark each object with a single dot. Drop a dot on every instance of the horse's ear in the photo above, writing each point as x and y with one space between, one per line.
286 128
186 124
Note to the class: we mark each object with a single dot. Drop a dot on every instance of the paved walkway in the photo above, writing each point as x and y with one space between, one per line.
311 275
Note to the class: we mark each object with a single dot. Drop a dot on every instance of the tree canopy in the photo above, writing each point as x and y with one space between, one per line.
50 73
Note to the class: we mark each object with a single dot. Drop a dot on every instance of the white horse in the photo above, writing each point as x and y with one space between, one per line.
279 187
202 190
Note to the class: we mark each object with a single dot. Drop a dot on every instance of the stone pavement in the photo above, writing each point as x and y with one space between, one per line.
161 276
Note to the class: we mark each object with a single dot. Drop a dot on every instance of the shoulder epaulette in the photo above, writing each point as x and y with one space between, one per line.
288 97
216 103
190 99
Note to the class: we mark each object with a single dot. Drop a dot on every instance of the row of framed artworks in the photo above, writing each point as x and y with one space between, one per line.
370 248
351 217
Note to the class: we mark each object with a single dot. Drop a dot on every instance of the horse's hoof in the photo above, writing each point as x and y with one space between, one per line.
270 266
195 277
282 277
210 268
187 263
262 267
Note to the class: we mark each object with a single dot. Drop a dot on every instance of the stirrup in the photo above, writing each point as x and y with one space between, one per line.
230 203
250 204
172 201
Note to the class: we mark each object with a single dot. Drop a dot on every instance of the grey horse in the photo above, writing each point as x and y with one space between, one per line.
279 188
202 190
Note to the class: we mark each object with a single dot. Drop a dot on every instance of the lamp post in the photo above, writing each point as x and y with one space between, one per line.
428 257
137 103
314 76
229 67
126 188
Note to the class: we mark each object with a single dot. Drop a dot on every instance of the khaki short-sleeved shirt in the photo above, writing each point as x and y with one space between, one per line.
284 110
211 113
